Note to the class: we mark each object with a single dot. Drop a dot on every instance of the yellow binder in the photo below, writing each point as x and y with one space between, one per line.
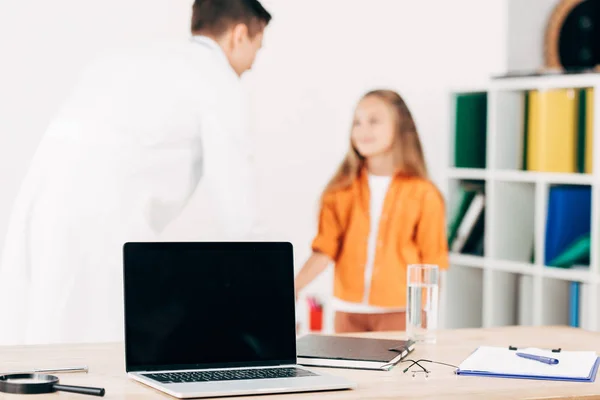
552 136
589 129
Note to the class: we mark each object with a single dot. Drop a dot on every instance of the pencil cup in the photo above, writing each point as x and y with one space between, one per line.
422 302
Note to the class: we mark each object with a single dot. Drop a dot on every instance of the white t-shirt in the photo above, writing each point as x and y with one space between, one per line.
378 188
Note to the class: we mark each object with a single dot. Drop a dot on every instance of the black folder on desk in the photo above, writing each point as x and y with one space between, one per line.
351 352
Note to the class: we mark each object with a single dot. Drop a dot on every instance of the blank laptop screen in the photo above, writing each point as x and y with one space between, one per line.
208 305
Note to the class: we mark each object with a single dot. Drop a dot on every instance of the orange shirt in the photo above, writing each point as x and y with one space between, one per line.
412 230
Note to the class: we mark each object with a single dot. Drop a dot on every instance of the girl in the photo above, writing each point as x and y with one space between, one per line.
379 213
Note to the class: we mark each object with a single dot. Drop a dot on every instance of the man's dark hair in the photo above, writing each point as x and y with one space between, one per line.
214 17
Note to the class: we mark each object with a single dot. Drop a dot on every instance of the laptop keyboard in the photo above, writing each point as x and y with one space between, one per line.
228 375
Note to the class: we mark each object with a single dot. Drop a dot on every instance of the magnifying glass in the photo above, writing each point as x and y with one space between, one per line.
41 383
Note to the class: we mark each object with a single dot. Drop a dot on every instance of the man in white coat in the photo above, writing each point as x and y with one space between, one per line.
142 131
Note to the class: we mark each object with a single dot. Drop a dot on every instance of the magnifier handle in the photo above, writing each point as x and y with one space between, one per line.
92 391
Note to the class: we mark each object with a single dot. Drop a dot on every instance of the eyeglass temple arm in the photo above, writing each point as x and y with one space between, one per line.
423 368
441 363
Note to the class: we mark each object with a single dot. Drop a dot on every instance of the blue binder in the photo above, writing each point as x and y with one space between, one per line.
574 293
489 361
569 218
590 378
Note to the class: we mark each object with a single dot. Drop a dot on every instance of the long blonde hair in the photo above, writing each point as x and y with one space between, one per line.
408 152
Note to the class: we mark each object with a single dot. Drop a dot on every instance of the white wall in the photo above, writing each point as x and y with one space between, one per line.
319 57
43 46
526 33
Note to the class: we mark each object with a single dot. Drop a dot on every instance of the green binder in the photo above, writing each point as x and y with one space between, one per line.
525 130
581 131
577 253
470 130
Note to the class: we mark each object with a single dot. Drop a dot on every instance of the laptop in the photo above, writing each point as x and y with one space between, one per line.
214 319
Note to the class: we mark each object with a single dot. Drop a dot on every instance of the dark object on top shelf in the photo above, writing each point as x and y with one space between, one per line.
572 34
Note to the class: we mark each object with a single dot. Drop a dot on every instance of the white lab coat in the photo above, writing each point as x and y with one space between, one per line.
119 163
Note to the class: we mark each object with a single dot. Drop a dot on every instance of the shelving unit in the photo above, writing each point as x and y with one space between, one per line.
516 287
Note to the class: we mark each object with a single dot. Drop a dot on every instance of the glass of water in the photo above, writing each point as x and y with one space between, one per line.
422 302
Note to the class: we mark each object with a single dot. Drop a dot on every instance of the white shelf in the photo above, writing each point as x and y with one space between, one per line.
545 177
546 82
467 173
514 267
583 275
516 288
465 260
571 274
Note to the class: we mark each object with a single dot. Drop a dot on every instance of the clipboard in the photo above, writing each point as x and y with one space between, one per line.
498 362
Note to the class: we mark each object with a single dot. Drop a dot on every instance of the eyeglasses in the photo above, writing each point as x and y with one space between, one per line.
423 369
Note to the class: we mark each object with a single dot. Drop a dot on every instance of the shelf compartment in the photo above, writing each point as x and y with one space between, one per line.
470 130
466 217
464 293
543 130
505 298
513 221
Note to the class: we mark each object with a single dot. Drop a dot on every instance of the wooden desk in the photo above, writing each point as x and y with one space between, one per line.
106 363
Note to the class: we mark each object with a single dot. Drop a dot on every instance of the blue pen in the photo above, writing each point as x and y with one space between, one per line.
545 360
